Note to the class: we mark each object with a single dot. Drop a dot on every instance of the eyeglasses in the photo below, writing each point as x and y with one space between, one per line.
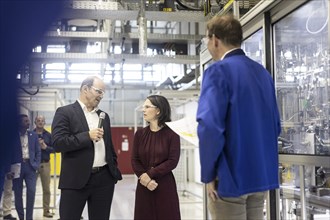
149 106
99 91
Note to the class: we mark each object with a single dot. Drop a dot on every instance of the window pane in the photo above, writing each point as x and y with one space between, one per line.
302 79
252 46
56 49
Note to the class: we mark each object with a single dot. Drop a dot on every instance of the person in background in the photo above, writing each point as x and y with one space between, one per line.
238 126
31 156
7 197
14 172
89 169
156 152
44 169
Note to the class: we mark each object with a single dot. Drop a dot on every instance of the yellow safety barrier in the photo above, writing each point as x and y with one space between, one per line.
58 164
52 159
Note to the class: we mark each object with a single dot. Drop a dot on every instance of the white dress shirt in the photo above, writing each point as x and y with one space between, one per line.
99 148
229 52
25 145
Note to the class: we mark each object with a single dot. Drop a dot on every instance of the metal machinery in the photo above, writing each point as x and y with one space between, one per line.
291 39
302 79
302 76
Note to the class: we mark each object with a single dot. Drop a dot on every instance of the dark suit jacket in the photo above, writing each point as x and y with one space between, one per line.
70 137
34 150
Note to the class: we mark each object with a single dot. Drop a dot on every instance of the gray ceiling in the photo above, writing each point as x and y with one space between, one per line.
131 25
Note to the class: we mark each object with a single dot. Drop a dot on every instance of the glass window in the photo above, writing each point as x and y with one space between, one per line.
303 80
79 77
93 47
153 73
253 48
56 49
54 71
85 68
301 46
130 67
37 49
132 75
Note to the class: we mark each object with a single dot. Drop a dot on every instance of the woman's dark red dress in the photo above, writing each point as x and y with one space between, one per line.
157 154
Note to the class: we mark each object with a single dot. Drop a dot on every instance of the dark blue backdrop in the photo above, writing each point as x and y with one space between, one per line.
23 23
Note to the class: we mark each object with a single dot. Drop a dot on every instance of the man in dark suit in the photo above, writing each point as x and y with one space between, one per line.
89 163
31 156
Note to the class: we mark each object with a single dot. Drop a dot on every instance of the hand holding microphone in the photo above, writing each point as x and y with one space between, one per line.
101 118
97 133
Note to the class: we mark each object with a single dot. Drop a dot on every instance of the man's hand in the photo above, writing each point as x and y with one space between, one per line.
96 134
42 143
212 191
10 175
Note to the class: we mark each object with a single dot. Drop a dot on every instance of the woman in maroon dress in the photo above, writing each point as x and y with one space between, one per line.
156 153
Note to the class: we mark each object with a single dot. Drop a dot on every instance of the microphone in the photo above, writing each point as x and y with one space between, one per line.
101 118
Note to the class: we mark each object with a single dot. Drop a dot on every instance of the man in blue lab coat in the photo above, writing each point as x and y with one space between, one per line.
238 126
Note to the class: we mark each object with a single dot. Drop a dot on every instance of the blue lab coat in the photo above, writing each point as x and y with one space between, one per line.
238 126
